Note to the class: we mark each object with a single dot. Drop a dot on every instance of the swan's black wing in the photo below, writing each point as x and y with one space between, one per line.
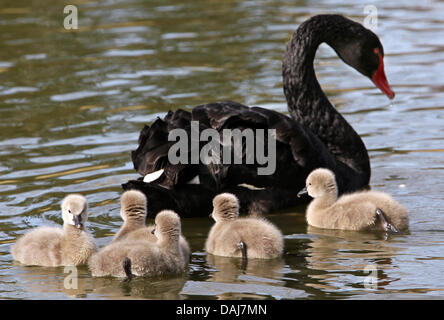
152 152
298 152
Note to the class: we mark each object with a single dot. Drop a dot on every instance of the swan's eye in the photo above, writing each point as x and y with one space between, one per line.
69 210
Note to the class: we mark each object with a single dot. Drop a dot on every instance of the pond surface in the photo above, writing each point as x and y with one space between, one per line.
72 103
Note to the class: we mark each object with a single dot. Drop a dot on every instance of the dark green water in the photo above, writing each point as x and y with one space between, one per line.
73 102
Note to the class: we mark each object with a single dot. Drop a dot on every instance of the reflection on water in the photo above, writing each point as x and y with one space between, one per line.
232 270
345 255
230 279
44 282
166 288
73 102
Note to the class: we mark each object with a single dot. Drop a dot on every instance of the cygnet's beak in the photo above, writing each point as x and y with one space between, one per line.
152 231
78 222
302 192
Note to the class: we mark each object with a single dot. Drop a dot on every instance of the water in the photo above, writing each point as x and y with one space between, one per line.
73 102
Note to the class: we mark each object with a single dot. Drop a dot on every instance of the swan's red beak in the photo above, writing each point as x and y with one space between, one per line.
380 80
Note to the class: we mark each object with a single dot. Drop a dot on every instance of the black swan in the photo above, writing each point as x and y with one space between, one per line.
316 135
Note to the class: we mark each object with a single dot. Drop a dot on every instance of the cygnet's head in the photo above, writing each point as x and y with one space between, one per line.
133 205
74 210
225 207
320 182
167 225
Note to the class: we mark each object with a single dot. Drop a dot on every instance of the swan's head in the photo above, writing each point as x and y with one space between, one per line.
225 207
361 49
319 183
133 206
167 225
74 210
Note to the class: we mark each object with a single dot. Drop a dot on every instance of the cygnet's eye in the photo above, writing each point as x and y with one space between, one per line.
309 183
69 210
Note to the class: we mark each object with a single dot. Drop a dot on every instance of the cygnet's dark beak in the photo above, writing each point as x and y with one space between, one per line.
302 192
78 222
152 231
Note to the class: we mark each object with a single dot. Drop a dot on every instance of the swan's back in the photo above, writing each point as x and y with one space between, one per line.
41 246
357 211
108 261
396 212
147 259
347 215
262 238
145 234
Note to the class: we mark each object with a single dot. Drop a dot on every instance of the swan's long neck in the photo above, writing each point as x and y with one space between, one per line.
308 104
128 226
